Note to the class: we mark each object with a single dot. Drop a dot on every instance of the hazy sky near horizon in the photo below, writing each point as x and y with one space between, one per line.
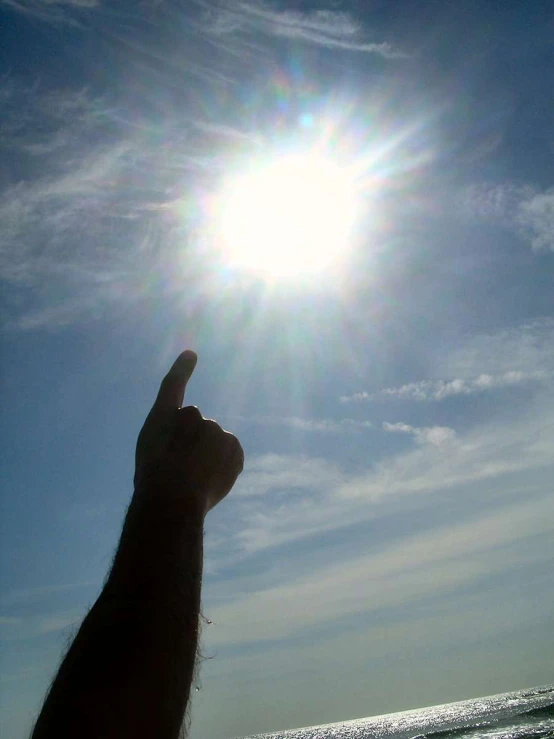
390 542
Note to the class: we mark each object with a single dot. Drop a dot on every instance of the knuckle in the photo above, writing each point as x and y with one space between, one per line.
188 422
211 427
190 413
227 445
237 451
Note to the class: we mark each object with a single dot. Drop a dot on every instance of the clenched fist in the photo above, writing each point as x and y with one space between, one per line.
181 455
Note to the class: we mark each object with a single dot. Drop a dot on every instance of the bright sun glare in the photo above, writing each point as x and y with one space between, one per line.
290 216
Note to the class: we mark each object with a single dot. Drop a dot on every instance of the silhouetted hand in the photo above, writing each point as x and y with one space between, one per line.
129 670
181 455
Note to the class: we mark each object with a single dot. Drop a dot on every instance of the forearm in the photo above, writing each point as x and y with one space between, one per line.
129 670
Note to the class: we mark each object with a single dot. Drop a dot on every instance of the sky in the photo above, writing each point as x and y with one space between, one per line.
390 542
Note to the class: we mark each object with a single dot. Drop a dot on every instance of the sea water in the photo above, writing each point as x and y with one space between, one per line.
526 714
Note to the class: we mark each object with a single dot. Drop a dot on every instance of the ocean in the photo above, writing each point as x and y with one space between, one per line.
526 714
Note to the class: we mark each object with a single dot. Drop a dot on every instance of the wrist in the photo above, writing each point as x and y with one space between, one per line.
161 540
162 499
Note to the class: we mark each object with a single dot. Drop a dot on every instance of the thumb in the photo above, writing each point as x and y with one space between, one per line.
172 389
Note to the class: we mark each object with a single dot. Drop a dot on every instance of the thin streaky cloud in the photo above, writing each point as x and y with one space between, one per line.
51 11
331 29
53 208
330 498
439 621
65 225
527 348
25 595
274 472
66 221
28 627
422 565
89 216
437 390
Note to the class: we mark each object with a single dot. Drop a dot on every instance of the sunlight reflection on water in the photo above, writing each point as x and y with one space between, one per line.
521 715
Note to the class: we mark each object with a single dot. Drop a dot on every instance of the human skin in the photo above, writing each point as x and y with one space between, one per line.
129 670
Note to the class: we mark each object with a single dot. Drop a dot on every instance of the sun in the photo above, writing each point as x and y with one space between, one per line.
286 217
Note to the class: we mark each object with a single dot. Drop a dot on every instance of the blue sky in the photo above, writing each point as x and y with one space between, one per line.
390 542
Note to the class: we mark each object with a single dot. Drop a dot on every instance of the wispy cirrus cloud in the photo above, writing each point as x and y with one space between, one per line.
527 348
274 472
22 596
51 11
523 208
53 217
63 231
415 568
86 223
437 390
328 497
331 29
20 628
97 189
29 612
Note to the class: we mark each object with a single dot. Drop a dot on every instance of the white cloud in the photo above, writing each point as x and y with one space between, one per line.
522 208
356 397
89 222
332 29
480 626
62 223
62 229
435 435
437 390
494 202
527 349
441 389
486 461
320 425
482 454
417 567
536 218
274 472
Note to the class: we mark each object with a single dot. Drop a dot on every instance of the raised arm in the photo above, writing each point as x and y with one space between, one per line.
129 670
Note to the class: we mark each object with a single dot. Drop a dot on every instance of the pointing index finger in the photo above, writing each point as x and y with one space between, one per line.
172 388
